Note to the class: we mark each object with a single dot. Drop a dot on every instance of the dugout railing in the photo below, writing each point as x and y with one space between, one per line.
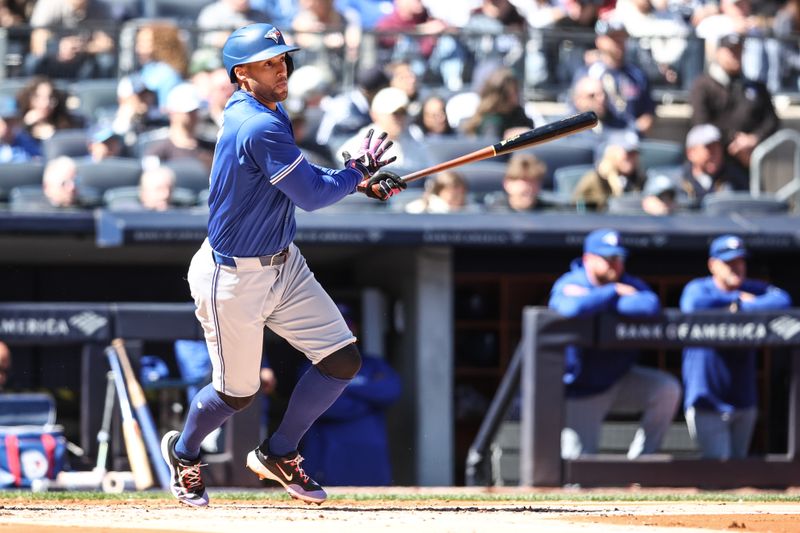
536 370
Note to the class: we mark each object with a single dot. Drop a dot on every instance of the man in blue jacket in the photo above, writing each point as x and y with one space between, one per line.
720 400
598 381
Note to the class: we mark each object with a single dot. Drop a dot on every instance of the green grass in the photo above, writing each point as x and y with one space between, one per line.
401 496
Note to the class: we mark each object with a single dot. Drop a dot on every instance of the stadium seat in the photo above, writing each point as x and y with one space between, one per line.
566 178
179 9
441 149
658 153
354 203
483 177
741 202
69 142
189 174
94 179
28 198
18 174
96 98
202 197
127 198
627 204
11 86
561 153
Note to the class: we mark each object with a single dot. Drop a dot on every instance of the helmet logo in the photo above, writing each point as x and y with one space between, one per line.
273 34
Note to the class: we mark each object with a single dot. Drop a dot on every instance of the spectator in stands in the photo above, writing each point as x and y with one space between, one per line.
445 192
389 114
226 15
70 40
162 56
216 91
599 381
347 113
492 34
319 26
615 174
432 119
706 170
15 12
500 108
588 95
785 26
104 143
309 87
137 111
626 85
182 141
410 16
44 109
155 188
16 145
59 182
720 400
741 108
5 365
279 13
424 42
736 17
522 185
402 76
660 195
664 32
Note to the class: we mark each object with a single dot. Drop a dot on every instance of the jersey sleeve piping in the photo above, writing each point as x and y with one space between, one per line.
286 171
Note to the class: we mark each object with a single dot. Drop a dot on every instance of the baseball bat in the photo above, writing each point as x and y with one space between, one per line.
139 404
134 445
540 135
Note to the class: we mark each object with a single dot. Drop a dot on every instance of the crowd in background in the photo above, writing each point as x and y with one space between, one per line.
433 74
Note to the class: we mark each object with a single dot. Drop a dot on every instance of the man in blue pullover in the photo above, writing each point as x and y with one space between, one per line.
720 400
597 381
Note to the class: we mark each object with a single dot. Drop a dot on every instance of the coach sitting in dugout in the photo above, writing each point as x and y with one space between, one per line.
597 381
720 400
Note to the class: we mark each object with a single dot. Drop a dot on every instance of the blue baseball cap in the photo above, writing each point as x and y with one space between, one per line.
727 248
605 243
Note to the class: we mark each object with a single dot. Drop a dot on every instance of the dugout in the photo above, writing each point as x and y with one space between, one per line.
451 290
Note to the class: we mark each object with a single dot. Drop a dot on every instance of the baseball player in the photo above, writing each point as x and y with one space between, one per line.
248 274
720 385
598 380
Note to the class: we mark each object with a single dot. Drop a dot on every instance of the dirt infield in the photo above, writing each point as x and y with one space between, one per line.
417 510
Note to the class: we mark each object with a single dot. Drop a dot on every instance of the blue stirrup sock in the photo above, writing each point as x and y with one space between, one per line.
312 396
207 412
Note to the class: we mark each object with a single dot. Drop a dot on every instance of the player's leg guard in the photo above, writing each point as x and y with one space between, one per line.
344 363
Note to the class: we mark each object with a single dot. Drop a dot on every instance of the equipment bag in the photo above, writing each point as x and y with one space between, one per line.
28 453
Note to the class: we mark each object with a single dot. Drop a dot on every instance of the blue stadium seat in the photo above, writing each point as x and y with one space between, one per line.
95 179
189 173
97 98
483 177
659 153
562 153
69 142
19 174
566 178
741 202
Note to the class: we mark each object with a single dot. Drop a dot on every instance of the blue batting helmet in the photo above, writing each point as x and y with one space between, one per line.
256 42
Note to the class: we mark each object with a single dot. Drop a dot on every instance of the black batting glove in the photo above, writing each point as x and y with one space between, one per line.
382 185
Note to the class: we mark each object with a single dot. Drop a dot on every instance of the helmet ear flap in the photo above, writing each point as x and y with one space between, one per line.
289 65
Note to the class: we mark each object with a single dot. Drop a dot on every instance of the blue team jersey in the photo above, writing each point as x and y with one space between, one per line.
587 371
258 177
724 380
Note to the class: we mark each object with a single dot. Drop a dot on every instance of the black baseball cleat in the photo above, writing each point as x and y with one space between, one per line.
287 471
186 482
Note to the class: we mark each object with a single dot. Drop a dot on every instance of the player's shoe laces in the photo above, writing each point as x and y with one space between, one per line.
186 483
287 471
